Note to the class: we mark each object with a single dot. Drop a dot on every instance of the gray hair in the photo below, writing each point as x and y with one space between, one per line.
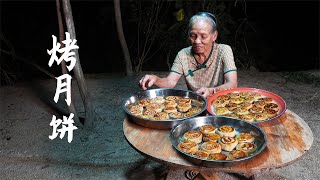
203 16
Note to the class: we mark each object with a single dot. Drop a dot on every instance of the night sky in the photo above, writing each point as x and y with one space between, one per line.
285 35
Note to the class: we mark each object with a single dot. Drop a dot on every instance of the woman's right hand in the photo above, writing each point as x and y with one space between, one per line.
147 81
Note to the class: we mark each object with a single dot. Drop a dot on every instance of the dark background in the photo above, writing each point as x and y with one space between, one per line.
284 35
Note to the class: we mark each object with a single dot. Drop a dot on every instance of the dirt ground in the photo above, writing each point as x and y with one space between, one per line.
26 152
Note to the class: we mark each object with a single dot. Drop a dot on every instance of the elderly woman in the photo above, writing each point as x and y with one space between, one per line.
207 66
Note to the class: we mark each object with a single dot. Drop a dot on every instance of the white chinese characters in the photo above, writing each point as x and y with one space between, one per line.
63 85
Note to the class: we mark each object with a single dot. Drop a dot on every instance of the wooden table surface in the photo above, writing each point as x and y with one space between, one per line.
288 138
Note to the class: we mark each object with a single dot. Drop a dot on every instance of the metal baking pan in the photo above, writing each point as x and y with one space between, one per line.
152 93
176 136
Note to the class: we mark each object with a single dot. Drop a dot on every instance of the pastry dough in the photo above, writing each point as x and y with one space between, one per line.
259 103
183 107
228 143
231 106
193 136
172 98
241 110
195 110
245 138
272 106
211 137
226 131
237 154
222 111
217 156
207 129
201 154
266 99
246 105
256 96
170 103
211 147
270 113
149 113
161 116
158 100
236 100
176 115
144 102
234 95
260 116
244 94
232 115
136 110
247 117
188 147
185 101
256 109
224 97
220 103
246 147
170 109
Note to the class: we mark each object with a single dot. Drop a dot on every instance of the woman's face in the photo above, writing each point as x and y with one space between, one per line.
201 37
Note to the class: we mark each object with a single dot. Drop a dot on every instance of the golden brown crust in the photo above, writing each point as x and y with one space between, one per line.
270 113
246 147
158 100
234 95
246 105
211 147
237 154
231 106
272 106
217 156
226 131
201 154
161 116
211 137
220 103
259 103
188 147
236 100
170 103
241 110
245 138
228 143
144 102
170 109
266 100
260 116
225 97
247 117
222 111
207 129
172 98
176 115
255 109
193 136
183 107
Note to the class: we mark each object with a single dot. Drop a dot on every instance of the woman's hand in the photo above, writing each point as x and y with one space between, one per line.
206 92
147 81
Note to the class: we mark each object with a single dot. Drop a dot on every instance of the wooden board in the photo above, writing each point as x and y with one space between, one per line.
288 138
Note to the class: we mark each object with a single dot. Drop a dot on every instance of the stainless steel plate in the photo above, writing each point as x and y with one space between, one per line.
152 93
176 136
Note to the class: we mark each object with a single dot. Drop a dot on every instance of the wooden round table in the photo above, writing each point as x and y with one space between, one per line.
288 138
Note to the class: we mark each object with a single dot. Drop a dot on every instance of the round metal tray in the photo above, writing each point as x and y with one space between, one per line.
152 93
281 103
176 136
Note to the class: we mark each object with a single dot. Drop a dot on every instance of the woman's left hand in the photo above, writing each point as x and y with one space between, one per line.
206 92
